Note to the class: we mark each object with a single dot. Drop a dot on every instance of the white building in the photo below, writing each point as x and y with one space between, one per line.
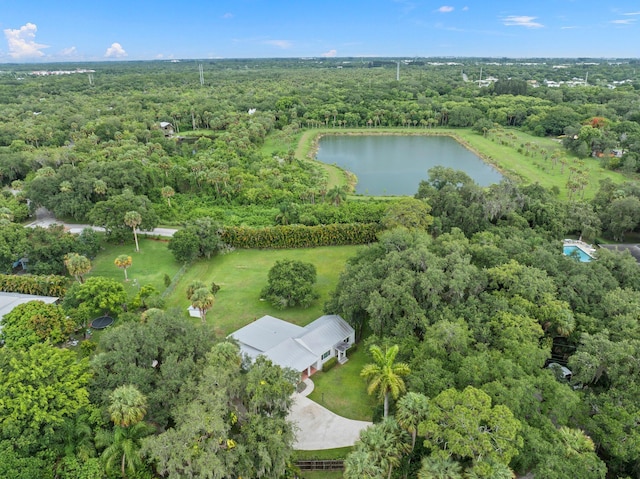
288 345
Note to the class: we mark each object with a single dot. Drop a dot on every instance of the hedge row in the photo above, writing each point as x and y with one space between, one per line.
50 285
300 236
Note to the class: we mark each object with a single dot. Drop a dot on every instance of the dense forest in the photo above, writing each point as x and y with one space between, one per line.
466 285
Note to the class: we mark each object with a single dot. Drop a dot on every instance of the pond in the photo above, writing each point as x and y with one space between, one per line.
395 164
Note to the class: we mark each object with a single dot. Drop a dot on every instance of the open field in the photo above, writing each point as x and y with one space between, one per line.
148 266
531 167
242 274
342 390
321 475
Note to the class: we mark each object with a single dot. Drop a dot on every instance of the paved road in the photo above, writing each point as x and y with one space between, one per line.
45 218
319 428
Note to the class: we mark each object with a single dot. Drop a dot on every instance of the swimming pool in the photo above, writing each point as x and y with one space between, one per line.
570 250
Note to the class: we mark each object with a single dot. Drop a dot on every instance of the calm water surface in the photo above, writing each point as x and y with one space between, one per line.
395 165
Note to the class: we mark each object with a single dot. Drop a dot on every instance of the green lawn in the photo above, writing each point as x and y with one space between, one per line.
321 475
242 274
149 265
343 391
535 168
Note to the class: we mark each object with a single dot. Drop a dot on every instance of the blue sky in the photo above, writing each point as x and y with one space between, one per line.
71 30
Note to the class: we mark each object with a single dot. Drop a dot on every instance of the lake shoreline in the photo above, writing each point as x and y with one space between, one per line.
309 145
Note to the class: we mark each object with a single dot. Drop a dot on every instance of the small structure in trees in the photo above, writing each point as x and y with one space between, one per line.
167 129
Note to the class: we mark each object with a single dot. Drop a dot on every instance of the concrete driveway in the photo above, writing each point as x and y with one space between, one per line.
319 428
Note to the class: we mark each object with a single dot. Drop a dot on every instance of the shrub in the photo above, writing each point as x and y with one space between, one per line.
299 236
329 365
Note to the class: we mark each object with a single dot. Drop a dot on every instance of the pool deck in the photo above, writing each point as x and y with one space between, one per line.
586 248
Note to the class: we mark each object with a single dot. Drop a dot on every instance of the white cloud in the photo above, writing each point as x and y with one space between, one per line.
330 53
625 21
522 21
227 16
279 43
465 9
115 51
22 43
69 52
632 13
445 9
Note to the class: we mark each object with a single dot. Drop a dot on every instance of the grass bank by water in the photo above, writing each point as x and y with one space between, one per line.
517 155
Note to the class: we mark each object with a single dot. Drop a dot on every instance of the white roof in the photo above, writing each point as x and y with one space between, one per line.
289 345
266 333
325 332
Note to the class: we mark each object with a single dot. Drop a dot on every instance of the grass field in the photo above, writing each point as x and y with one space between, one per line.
342 390
321 475
242 274
526 168
149 265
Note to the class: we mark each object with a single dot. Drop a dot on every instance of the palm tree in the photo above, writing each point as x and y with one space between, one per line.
167 192
123 447
193 286
123 261
337 195
413 408
127 406
360 465
99 187
203 300
435 467
77 265
133 219
385 444
384 375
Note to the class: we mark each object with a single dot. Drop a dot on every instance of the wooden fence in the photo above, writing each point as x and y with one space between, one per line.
326 465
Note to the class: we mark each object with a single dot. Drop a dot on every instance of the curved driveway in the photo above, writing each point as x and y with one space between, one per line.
319 428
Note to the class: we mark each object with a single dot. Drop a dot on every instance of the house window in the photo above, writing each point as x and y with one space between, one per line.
326 355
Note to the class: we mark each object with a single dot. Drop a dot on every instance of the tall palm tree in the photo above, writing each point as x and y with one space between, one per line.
435 467
385 376
127 406
123 261
133 219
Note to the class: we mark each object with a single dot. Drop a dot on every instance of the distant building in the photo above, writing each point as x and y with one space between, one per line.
167 129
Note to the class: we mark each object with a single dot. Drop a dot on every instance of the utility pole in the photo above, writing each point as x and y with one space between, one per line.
200 69
480 80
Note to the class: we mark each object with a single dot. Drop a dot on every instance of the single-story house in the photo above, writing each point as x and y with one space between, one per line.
304 349
167 128
8 301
